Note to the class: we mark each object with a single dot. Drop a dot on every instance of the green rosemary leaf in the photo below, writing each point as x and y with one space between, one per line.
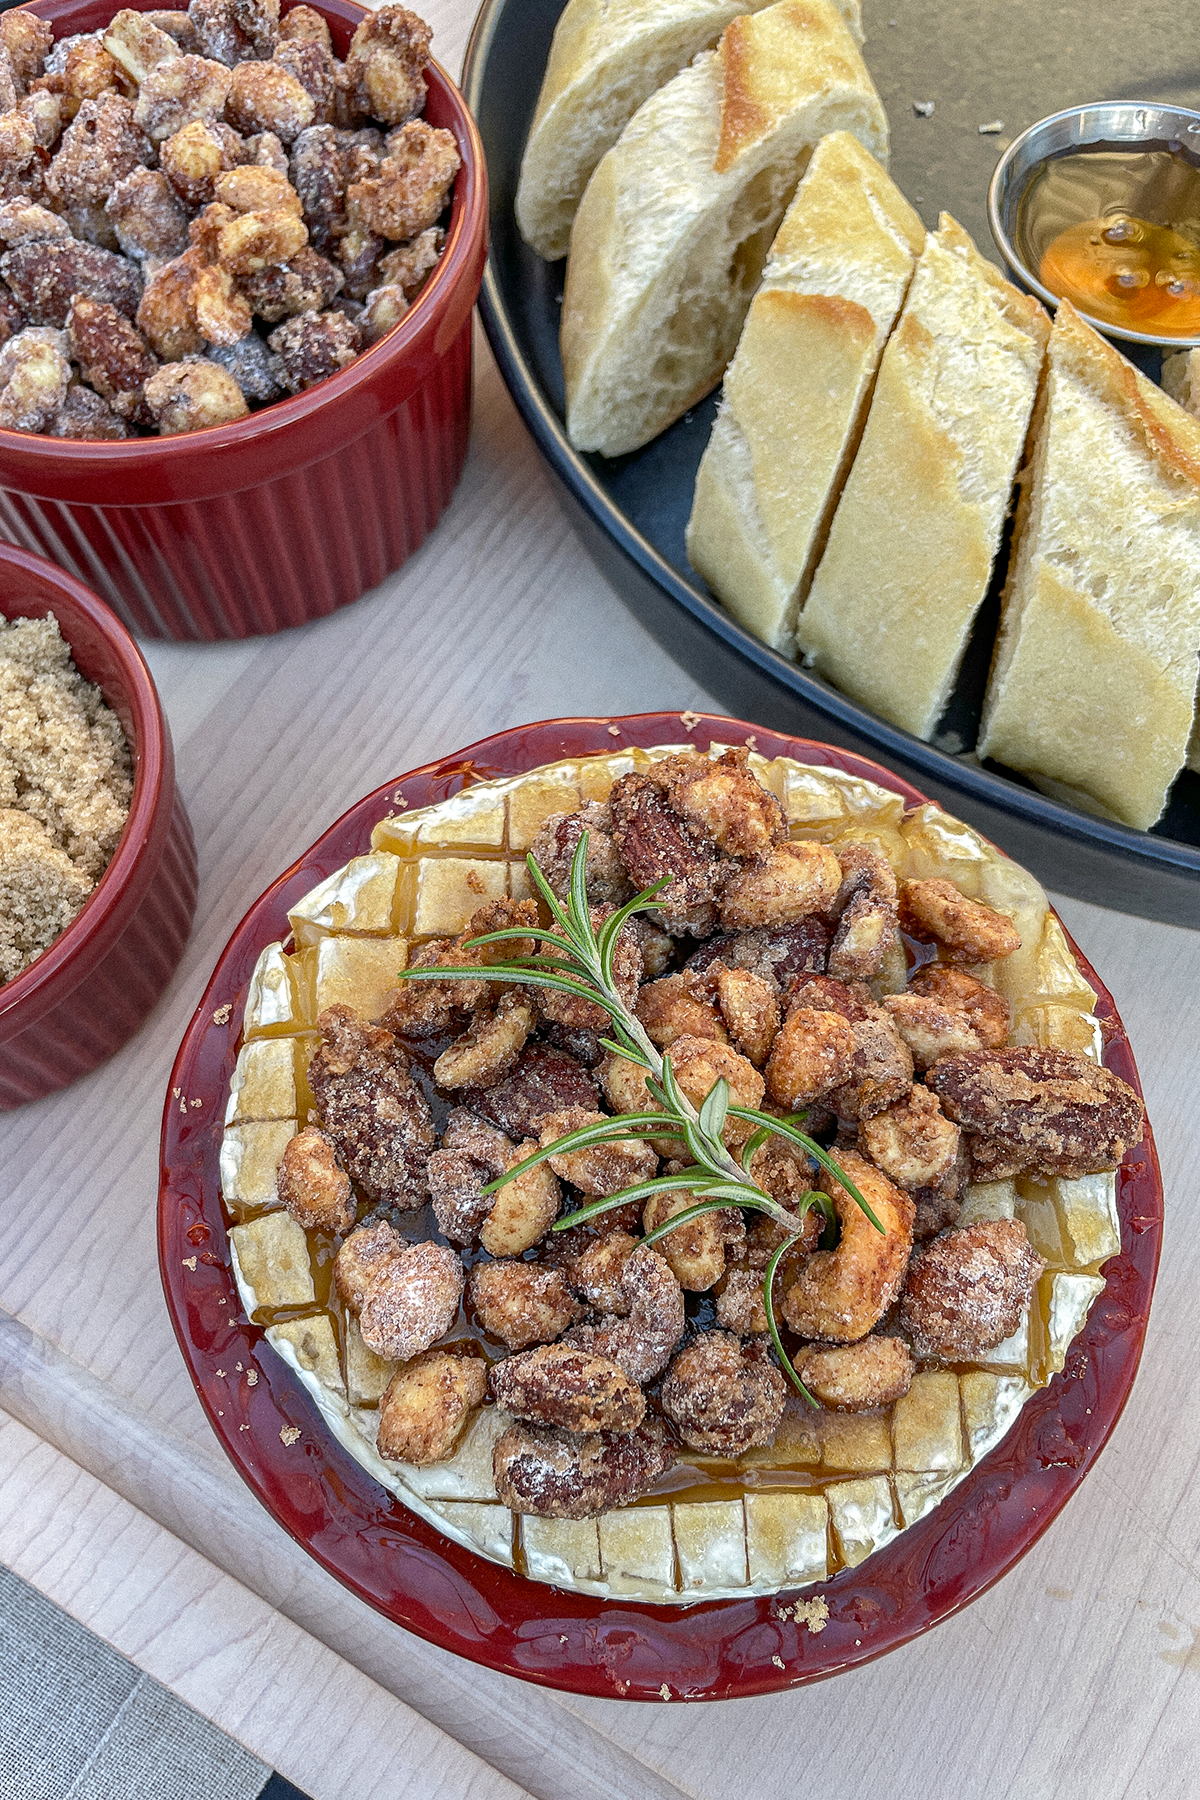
714 1109
773 1328
628 1050
546 891
780 1129
610 930
823 1204
579 911
512 932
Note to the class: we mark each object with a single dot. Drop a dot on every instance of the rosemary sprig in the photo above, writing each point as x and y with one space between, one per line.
577 959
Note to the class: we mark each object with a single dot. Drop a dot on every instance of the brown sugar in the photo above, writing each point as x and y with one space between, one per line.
65 787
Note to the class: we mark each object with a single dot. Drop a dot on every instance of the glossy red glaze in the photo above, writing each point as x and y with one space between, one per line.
612 1649
92 988
299 509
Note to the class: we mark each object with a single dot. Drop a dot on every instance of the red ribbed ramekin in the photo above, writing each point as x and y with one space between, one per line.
299 509
92 988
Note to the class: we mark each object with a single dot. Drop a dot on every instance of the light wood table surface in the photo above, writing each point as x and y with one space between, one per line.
1078 1675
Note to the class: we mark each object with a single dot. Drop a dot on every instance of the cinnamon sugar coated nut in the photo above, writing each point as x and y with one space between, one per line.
219 179
65 788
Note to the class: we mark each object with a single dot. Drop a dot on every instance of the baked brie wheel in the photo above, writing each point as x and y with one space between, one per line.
613 1418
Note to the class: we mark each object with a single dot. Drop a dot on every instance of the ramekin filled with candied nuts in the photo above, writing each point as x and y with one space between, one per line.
239 250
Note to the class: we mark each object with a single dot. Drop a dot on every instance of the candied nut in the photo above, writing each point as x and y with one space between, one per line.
264 151
427 1403
263 96
408 268
256 240
312 346
22 171
987 1010
594 1266
740 1307
178 26
359 254
385 307
930 1029
641 1342
87 73
857 1377
489 1050
191 396
936 912
9 89
599 1169
840 1294
84 414
359 1258
456 1182
307 282
28 40
557 1384
138 44
720 800
521 1303
882 1070
34 375
524 1209
777 956
10 316
252 367
914 1144
698 1063
791 881
968 1290
370 1105
183 91
165 316
313 67
425 1008
694 1253
724 1396
412 186
221 313
654 844
1044 1110
318 173
45 114
112 355
147 215
23 222
315 1191
256 189
544 1081
45 275
100 146
385 65
304 25
196 155
812 1054
865 906
234 30
750 1007
677 1007
411 1301
552 1474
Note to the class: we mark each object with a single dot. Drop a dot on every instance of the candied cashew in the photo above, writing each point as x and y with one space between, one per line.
28 41
223 316
724 1396
930 1029
426 1405
22 171
196 155
857 1377
840 1294
192 396
939 913
913 1142
44 112
790 881
303 24
252 241
558 1384
385 307
694 1253
698 1064
600 1169
409 267
522 1303
314 1190
750 1007
812 1054
411 1301
489 1050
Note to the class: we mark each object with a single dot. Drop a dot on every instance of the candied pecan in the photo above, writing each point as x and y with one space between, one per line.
654 843
641 1342
557 1384
45 275
427 1403
371 1107
147 216
252 367
987 1010
544 1081
34 374
304 25
137 43
191 396
312 346
409 268
930 1029
313 67
857 1377
592 1265
113 356
235 30
84 414
100 146
813 1053
968 1290
384 309
164 316
840 1294
318 173
425 1008
914 1144
521 1303
1045 1110
724 1396
194 158
678 1006
385 66
937 912
882 1069
553 1475
27 40
412 186
263 96
411 1301
579 1014
315 1191
359 1258
750 1007
865 908
777 956
22 171
600 1169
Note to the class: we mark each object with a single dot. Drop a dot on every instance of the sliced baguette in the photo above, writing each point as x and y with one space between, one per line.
670 239
1181 379
607 57
914 537
797 389
1093 682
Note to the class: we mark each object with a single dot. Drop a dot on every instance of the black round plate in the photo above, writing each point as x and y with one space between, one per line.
631 512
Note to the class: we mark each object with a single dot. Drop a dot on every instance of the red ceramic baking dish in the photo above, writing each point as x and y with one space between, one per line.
88 993
299 509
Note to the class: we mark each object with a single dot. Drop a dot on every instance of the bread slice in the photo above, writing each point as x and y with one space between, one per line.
608 56
1093 682
1181 379
797 390
914 537
670 239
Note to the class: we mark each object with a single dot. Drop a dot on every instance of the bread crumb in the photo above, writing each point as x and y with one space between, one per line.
614 731
251 1377
221 1016
65 787
923 108
289 1434
189 1262
778 1661
689 719
665 1691
992 130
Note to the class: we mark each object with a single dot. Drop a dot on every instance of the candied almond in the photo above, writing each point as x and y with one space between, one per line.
553 1474
558 1384
148 216
724 1396
411 1301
